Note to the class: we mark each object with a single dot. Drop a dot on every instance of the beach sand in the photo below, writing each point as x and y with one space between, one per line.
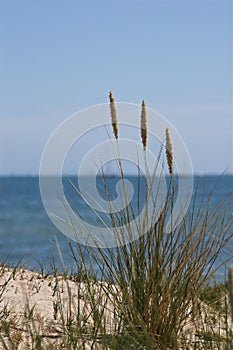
37 304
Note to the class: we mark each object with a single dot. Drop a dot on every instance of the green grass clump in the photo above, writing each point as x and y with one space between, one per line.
151 293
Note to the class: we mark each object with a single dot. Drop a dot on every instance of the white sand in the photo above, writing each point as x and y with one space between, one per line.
30 300
32 303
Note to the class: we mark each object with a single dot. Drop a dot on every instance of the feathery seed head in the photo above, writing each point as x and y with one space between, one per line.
144 125
113 113
111 98
169 152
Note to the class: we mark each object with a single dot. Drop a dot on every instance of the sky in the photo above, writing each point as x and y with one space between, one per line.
58 57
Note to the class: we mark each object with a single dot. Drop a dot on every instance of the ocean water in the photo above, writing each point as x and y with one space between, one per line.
27 236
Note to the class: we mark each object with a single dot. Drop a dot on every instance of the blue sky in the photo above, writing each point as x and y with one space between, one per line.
57 57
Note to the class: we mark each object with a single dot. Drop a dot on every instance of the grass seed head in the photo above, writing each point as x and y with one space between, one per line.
144 127
169 152
113 115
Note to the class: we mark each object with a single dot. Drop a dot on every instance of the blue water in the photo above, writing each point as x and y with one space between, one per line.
27 234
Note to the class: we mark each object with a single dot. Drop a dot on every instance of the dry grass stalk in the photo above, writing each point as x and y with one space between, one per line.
113 115
169 152
144 133
231 288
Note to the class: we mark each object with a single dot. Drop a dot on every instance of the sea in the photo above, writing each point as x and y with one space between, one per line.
28 237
